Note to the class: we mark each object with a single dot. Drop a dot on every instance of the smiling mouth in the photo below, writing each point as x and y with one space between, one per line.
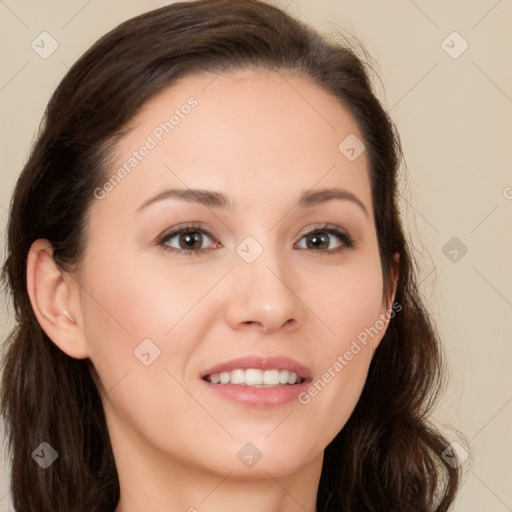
254 377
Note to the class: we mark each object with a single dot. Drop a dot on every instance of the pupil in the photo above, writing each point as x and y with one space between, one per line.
190 239
319 240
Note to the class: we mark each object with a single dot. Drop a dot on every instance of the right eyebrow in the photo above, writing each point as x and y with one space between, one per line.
205 197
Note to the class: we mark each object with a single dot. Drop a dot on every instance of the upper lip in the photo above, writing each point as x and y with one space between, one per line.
262 363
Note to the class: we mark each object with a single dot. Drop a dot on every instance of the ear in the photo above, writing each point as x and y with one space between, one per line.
55 299
388 308
389 295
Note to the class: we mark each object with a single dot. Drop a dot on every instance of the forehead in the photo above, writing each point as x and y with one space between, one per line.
250 132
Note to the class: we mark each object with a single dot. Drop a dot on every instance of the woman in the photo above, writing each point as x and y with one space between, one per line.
216 305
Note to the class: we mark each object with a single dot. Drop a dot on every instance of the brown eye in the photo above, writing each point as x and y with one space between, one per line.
188 240
324 240
318 240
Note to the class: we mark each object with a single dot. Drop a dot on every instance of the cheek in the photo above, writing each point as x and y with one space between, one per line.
144 321
127 302
352 309
349 300
138 329
127 314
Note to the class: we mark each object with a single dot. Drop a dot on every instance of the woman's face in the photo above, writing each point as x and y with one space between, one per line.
271 292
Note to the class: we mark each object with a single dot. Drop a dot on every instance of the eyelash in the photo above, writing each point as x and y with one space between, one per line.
330 229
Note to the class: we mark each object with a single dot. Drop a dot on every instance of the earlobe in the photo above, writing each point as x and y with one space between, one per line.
54 301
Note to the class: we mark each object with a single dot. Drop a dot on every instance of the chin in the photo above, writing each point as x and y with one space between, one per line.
261 458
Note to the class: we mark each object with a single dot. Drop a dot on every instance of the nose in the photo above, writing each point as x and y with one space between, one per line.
263 297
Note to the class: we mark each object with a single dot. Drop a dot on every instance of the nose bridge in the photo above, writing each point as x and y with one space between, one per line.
263 293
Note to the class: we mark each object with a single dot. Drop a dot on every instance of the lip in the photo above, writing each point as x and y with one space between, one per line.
260 363
257 397
264 396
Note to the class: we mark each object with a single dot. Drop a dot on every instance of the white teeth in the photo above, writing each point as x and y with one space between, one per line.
271 377
255 377
237 377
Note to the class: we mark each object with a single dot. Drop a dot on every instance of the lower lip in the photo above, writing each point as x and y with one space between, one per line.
258 397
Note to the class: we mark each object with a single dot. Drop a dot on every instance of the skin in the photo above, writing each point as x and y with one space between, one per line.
262 138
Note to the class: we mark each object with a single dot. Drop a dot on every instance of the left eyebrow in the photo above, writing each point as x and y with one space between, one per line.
219 200
311 198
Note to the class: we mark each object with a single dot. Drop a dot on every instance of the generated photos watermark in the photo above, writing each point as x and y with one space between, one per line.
154 138
344 360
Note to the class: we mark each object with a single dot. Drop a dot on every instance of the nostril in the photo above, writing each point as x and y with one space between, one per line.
252 322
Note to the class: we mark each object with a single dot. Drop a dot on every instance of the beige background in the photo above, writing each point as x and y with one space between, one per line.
455 118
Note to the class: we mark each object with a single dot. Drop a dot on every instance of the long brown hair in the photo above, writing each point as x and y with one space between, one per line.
388 455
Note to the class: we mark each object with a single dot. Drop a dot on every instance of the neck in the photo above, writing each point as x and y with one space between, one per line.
217 494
